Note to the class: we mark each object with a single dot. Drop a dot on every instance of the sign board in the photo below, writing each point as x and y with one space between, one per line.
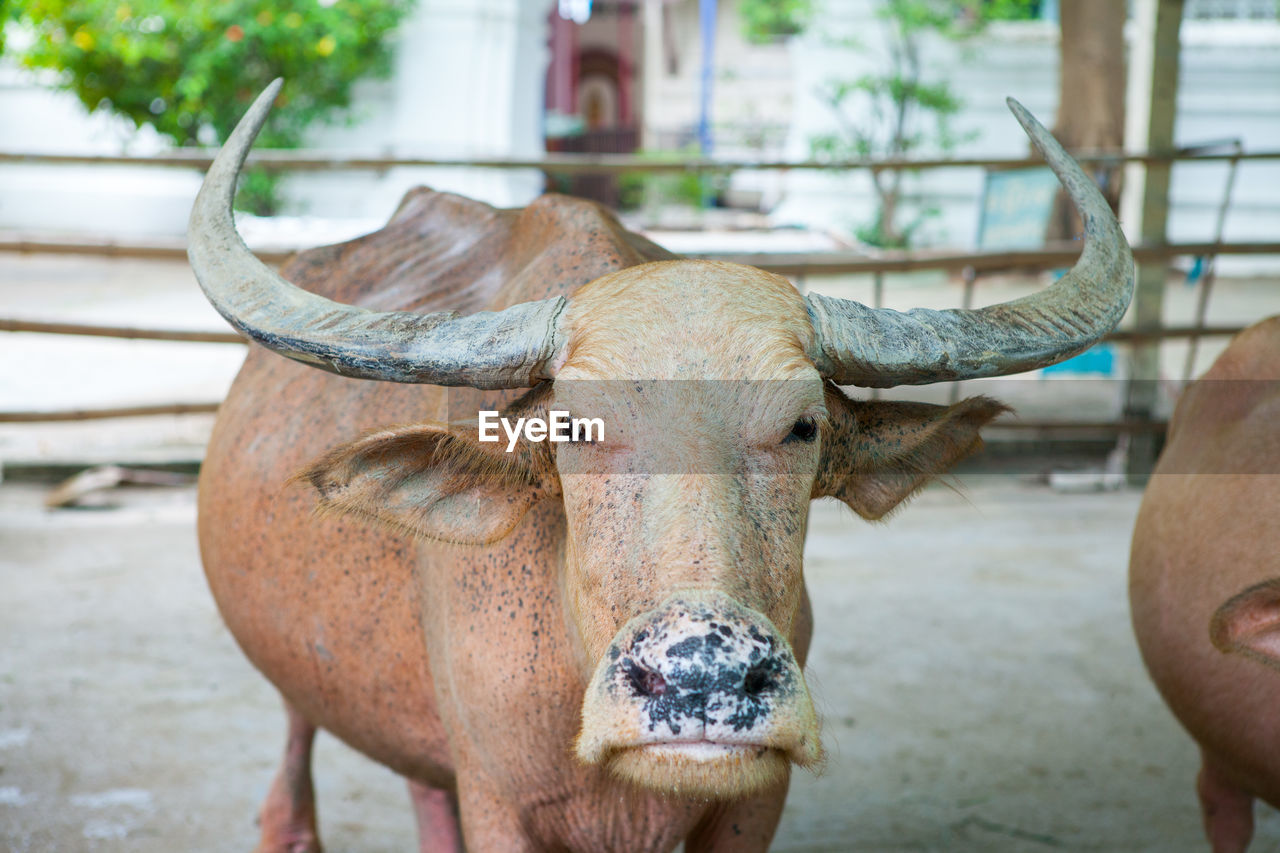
1016 206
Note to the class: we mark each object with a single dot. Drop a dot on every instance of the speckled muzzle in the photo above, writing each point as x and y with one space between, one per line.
700 695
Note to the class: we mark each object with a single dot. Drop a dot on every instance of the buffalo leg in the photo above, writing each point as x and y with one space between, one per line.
1227 808
436 811
288 816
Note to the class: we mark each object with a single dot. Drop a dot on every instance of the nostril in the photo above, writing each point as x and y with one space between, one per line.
759 678
645 682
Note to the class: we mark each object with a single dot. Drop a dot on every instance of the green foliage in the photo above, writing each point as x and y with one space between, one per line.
657 189
1011 10
190 68
908 112
6 12
874 233
764 21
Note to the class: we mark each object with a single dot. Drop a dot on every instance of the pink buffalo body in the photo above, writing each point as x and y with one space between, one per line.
1206 546
464 667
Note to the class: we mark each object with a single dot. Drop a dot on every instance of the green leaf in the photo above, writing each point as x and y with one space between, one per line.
908 110
769 20
183 66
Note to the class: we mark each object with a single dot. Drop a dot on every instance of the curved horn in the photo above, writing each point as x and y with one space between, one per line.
880 348
506 349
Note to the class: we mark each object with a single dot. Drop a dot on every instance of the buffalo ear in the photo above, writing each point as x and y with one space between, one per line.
435 480
877 453
1249 623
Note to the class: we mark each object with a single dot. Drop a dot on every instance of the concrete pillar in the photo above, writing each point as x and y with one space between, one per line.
626 62
470 80
1144 210
652 69
564 49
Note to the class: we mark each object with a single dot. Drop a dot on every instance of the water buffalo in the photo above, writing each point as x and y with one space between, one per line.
1205 572
576 645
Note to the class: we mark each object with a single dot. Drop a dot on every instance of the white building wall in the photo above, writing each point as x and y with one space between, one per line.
752 88
1229 87
468 81
120 201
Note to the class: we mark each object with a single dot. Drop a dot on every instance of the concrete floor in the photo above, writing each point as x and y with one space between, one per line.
973 662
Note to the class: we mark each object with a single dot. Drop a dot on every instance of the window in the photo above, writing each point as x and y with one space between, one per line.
1232 10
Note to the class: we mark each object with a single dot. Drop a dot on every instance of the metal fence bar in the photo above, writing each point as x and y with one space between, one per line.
117 412
783 263
301 160
797 265
1050 257
159 249
1129 336
807 264
35 326
1126 426
1123 336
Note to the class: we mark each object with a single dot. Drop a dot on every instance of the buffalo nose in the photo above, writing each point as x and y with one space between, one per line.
700 677
706 674
749 679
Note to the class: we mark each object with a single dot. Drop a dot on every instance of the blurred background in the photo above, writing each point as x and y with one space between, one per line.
860 147
738 81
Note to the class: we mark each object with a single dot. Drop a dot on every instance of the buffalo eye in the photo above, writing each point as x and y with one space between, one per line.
805 429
